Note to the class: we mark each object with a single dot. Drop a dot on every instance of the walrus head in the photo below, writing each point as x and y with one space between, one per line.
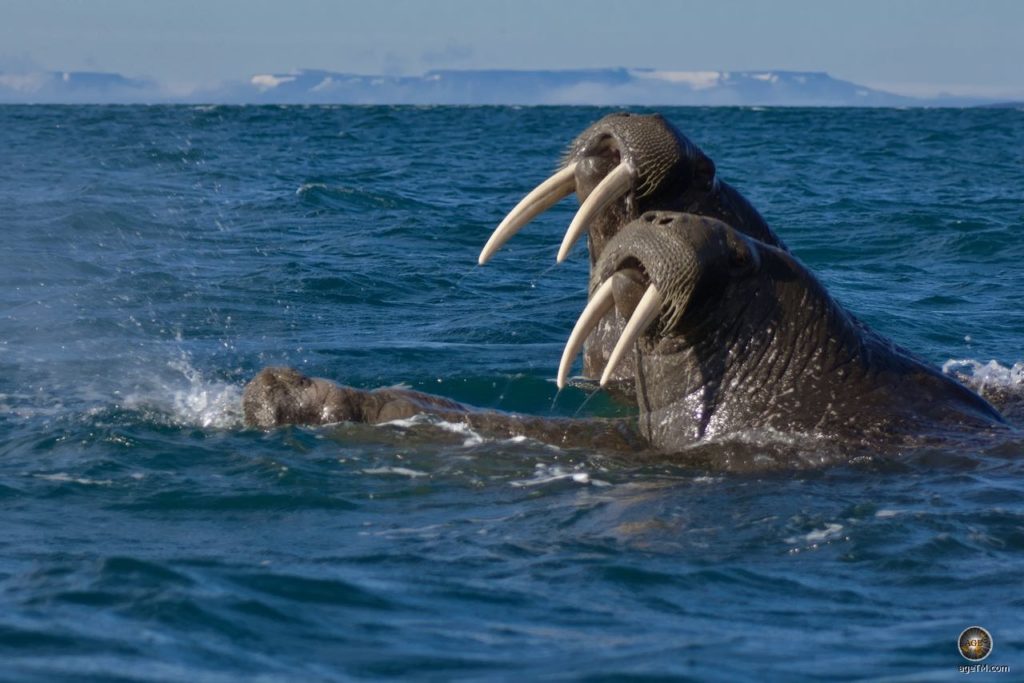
732 335
279 395
620 168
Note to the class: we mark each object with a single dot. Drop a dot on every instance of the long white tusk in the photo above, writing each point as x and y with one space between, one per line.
540 199
611 187
646 312
596 308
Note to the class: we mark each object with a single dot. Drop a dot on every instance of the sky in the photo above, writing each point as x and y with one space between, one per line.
914 47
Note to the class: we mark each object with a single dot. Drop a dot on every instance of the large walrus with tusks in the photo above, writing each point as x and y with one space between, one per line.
694 299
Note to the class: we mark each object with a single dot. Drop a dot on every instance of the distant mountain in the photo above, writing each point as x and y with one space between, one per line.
617 86
74 87
585 86
1005 105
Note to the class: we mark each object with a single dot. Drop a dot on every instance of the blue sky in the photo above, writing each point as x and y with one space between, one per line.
918 47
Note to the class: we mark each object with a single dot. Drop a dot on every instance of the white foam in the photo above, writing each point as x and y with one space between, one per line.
545 474
65 477
405 422
813 538
402 471
819 535
307 187
473 438
987 374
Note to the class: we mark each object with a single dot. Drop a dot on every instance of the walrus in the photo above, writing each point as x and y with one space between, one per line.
621 167
730 335
734 334
280 396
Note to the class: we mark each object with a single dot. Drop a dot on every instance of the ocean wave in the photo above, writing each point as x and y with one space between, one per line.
351 198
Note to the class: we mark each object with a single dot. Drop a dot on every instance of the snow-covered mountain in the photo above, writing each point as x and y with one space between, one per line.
614 86
585 86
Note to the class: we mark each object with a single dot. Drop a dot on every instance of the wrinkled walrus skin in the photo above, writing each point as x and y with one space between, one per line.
696 302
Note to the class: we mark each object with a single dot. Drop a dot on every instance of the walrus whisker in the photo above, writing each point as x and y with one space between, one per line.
646 313
540 199
599 305
611 187
586 401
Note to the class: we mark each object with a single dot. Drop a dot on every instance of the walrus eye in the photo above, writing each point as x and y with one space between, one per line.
739 262
742 257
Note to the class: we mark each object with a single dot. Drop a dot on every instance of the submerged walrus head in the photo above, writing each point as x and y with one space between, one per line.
732 335
620 168
280 395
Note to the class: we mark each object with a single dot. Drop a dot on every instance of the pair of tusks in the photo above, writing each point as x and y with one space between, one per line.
550 192
540 199
645 313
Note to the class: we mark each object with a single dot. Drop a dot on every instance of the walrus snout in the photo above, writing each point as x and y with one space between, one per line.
660 154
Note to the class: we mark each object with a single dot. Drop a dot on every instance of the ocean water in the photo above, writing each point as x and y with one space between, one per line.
155 258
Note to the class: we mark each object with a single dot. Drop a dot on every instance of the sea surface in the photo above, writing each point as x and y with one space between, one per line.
153 259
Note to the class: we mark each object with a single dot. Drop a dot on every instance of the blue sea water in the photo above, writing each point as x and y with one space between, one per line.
155 258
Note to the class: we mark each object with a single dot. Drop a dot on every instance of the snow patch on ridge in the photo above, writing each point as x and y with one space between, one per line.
267 82
697 80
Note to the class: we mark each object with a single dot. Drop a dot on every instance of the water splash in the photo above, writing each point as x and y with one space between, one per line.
1001 385
201 402
980 375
